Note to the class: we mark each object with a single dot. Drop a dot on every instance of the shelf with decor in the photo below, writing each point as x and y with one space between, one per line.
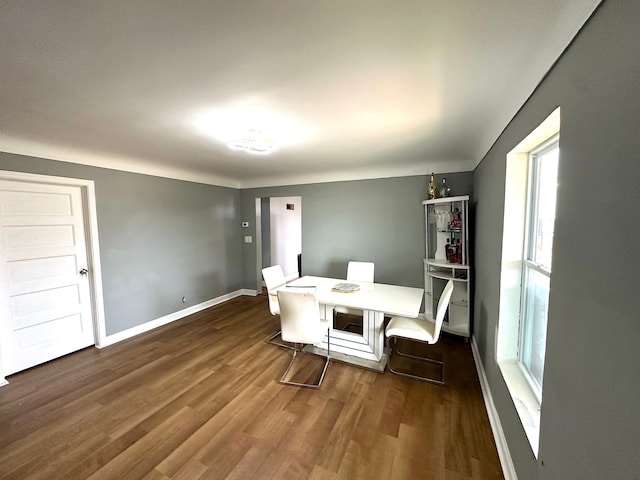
447 258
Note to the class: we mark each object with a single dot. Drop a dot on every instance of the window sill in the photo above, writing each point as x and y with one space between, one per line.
525 401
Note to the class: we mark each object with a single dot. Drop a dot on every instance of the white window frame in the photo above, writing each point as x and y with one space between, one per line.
531 229
526 402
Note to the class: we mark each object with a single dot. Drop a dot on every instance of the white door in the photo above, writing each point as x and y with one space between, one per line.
45 301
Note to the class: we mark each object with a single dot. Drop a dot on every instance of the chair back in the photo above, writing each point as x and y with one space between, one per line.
360 271
443 304
273 278
300 315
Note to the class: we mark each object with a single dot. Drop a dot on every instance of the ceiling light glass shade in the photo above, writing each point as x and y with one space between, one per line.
253 142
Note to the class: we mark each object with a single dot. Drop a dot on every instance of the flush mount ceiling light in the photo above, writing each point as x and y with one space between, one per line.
254 129
253 141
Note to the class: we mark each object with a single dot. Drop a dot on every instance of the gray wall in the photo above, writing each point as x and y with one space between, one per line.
160 239
590 425
378 220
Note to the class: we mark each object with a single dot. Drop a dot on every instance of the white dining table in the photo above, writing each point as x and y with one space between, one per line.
375 300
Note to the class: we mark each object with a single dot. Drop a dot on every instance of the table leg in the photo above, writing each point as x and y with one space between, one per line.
368 346
373 331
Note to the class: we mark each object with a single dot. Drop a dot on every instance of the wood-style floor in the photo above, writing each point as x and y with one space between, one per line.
200 398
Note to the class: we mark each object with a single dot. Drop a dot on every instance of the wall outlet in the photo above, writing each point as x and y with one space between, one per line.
245 224
248 239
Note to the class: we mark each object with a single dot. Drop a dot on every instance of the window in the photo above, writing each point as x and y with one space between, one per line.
525 278
541 207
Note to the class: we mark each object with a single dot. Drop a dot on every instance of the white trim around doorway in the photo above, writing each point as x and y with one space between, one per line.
93 248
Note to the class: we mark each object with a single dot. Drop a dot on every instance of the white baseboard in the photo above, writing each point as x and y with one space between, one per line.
506 462
172 317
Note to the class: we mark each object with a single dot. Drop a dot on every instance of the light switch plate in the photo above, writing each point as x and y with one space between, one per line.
245 224
248 239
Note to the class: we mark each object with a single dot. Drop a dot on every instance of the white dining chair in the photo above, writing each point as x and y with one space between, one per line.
274 279
356 272
425 331
360 271
301 324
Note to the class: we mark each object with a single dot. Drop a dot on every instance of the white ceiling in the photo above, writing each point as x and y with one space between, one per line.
348 88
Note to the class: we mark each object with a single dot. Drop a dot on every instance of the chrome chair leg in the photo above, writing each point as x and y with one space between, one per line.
293 358
271 340
418 358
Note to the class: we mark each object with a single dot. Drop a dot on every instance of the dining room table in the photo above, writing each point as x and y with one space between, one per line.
376 300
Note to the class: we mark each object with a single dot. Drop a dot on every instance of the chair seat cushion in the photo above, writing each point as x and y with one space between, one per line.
413 328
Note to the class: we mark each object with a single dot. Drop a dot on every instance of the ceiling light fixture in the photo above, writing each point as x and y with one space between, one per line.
253 142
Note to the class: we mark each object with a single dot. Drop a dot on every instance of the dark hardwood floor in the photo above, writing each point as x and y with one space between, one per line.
200 398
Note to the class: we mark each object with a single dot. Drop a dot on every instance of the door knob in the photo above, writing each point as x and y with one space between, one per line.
83 271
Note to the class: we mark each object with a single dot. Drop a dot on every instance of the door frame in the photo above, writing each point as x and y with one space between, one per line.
258 229
259 233
90 217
